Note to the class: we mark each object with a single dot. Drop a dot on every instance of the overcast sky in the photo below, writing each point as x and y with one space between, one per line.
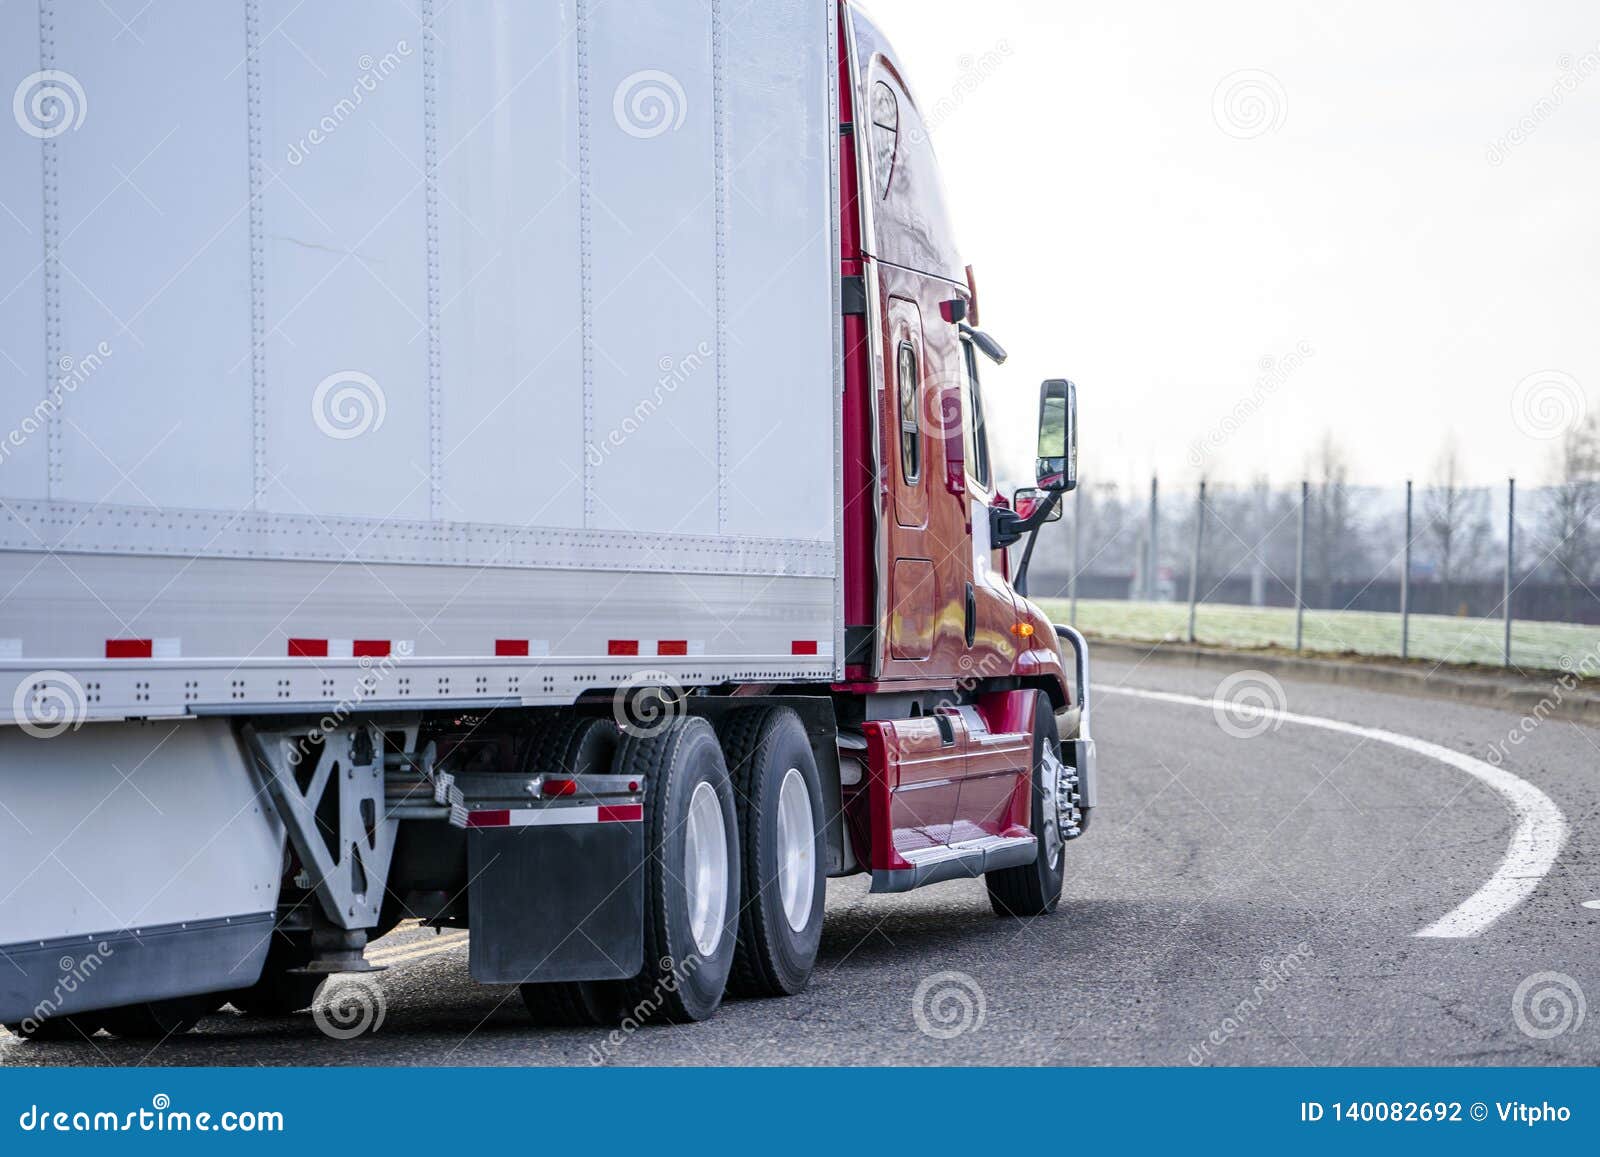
1161 198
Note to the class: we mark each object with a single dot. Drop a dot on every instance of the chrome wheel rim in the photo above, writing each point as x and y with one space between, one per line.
1053 779
705 868
796 849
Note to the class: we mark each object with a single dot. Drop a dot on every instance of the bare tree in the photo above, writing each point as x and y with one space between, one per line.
1570 503
1455 520
1333 539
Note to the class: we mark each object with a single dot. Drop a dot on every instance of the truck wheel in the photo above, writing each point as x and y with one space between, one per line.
691 873
574 745
57 1028
782 886
279 992
1034 889
157 1019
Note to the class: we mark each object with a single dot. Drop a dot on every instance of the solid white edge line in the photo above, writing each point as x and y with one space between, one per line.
1540 832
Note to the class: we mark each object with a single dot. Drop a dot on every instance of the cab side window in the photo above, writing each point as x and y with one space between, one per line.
885 136
910 436
973 433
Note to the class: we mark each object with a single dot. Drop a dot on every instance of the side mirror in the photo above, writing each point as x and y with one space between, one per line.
1058 435
1029 499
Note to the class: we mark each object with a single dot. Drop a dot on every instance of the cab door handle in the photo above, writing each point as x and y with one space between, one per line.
972 615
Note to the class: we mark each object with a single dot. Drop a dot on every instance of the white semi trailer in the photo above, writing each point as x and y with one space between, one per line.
426 479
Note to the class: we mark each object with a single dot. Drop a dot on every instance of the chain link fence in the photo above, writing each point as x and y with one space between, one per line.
1497 575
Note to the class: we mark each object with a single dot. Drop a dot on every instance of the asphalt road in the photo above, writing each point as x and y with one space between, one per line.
1239 900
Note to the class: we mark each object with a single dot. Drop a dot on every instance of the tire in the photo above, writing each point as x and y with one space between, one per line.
157 1019
691 840
1035 889
280 991
58 1028
573 745
782 883
277 993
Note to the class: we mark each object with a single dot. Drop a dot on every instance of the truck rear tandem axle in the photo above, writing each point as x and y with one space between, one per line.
654 847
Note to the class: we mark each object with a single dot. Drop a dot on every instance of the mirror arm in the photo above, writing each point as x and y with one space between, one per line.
1031 527
1006 527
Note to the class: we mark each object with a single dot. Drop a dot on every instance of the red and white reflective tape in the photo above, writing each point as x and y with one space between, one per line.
522 648
143 649
300 648
664 647
616 813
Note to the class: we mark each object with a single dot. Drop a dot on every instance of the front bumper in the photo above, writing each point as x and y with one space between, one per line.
1074 722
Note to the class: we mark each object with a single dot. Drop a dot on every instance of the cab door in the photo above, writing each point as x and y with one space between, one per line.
913 587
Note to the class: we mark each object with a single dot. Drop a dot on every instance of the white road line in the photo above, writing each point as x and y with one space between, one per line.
1541 829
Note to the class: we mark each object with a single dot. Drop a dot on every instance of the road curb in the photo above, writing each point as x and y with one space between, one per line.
1549 697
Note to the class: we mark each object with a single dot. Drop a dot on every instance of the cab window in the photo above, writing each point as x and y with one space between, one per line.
910 438
973 433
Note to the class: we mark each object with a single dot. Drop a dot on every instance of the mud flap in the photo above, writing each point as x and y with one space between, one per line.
556 902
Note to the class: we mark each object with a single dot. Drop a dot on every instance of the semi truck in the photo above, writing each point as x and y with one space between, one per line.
516 467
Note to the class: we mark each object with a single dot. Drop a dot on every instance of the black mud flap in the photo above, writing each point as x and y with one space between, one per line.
556 902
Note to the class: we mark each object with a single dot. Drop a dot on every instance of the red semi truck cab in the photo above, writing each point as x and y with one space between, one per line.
509 626
934 625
